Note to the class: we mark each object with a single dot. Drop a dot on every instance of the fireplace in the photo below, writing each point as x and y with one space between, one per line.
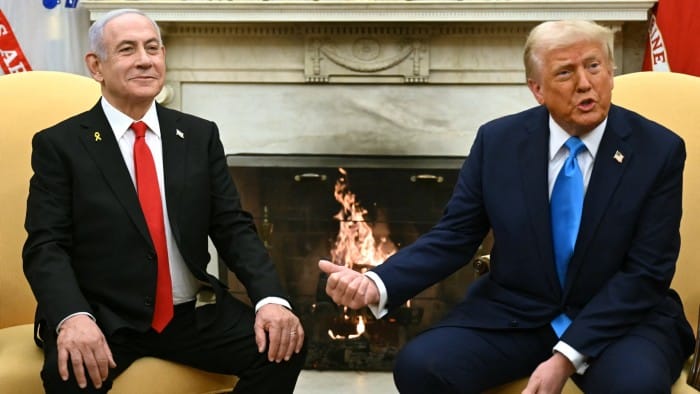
293 200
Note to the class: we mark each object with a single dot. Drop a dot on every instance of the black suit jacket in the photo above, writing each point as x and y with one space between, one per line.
88 247
625 255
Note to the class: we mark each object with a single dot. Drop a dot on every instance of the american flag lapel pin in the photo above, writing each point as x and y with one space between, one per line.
179 133
618 156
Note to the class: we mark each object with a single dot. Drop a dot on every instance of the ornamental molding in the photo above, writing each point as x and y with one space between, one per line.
348 57
378 11
491 29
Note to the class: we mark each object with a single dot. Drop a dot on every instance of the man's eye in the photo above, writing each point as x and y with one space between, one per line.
594 66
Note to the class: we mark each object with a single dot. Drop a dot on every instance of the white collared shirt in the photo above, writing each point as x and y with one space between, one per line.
557 156
185 285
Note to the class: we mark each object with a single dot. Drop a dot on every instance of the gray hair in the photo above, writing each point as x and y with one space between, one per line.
95 34
559 34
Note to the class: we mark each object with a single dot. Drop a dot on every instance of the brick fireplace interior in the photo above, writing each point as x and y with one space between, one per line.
297 215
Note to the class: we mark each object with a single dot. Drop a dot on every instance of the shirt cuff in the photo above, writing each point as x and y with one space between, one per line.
379 310
60 324
272 300
576 358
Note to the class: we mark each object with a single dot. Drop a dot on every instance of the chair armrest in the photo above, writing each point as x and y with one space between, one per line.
694 373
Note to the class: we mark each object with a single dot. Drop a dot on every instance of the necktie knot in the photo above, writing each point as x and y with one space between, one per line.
139 128
574 144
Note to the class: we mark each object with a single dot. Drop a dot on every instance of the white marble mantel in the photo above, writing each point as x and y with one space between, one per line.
379 11
389 77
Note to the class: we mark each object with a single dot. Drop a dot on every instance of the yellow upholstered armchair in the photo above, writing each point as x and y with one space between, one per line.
672 100
30 102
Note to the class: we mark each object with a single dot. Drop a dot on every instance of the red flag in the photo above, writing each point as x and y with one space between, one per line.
12 58
674 37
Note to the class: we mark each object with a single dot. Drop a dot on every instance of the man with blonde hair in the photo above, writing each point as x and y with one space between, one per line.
584 201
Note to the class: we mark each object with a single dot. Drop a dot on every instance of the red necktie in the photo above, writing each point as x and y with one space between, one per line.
149 197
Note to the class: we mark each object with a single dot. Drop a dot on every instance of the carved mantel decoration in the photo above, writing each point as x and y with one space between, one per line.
366 53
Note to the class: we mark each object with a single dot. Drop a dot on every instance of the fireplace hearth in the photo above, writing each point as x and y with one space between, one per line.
298 210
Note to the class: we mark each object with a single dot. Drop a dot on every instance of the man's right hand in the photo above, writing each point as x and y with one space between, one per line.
82 341
348 287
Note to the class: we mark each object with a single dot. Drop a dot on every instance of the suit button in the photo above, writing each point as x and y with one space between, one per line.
148 301
513 323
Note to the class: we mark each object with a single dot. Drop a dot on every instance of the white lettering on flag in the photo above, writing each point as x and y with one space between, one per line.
13 59
659 56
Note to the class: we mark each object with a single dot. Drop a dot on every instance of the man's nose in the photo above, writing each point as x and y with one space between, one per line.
584 82
142 57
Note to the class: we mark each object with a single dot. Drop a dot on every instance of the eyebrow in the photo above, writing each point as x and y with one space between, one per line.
134 42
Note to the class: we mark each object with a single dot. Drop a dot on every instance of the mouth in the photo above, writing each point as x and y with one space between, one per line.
586 104
143 78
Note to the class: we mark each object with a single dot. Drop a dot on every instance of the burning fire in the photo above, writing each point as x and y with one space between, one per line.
356 242
360 328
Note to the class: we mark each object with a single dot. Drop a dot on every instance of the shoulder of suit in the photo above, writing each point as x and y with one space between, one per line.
75 123
179 115
641 126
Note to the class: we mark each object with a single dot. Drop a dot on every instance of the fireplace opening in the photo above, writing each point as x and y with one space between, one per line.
356 211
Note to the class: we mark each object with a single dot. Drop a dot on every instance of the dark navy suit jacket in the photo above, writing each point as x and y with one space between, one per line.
618 279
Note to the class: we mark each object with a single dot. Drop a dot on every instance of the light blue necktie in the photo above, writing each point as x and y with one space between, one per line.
566 205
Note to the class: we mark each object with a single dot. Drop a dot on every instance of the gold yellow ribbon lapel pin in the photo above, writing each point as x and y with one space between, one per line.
97 135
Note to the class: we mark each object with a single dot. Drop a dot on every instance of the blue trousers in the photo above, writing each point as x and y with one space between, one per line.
466 360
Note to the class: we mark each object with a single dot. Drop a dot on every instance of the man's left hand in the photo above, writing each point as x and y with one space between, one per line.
550 376
282 328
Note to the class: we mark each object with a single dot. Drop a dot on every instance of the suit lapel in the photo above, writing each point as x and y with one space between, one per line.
607 172
99 141
174 163
533 157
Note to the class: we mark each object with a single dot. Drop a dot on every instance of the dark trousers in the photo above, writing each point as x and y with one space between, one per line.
465 360
223 346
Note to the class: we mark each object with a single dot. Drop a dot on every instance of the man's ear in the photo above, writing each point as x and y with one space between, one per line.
93 65
536 90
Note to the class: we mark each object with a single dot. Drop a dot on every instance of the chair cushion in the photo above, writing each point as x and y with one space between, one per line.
156 376
21 361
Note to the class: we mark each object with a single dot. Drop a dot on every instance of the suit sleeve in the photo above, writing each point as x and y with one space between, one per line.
449 245
46 253
234 234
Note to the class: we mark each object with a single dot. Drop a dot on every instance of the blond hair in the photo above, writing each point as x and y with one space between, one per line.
559 34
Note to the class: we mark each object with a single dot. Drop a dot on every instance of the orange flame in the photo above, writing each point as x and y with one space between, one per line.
356 243
359 328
